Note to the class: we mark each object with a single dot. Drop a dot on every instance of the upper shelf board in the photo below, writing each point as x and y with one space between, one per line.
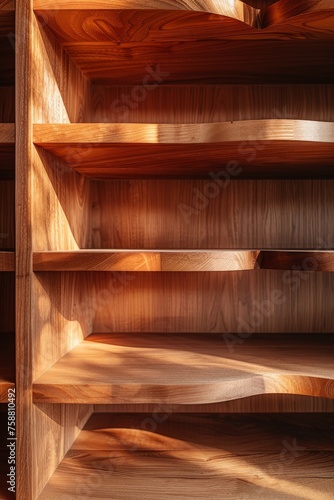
188 42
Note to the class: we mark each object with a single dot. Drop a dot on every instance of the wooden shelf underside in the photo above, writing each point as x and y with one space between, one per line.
190 456
7 364
190 46
175 261
274 148
188 369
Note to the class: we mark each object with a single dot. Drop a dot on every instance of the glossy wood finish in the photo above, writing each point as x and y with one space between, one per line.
230 456
283 148
185 369
171 38
99 260
61 210
232 8
122 260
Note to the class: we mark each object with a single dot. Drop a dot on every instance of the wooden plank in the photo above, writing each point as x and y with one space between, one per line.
45 433
129 62
185 369
235 9
7 214
205 133
101 260
265 403
7 261
283 148
7 4
7 133
187 456
306 261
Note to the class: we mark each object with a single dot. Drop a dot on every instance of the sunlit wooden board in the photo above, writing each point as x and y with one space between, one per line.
111 368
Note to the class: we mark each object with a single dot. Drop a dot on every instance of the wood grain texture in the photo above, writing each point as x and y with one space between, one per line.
55 74
7 261
175 215
177 62
7 364
7 4
281 148
218 103
184 369
235 9
187 456
46 433
284 10
208 302
306 261
100 260
180 214
206 133
7 133
267 403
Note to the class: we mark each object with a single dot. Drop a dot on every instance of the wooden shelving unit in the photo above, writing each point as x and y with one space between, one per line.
175 248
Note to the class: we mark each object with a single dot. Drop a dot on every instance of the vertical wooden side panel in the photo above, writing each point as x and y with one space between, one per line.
44 433
25 479
60 90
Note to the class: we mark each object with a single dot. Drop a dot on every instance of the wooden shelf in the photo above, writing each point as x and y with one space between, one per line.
143 260
180 260
7 364
7 261
7 133
193 456
4 467
287 148
191 45
193 369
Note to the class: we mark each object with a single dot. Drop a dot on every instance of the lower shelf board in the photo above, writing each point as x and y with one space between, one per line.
188 368
198 456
